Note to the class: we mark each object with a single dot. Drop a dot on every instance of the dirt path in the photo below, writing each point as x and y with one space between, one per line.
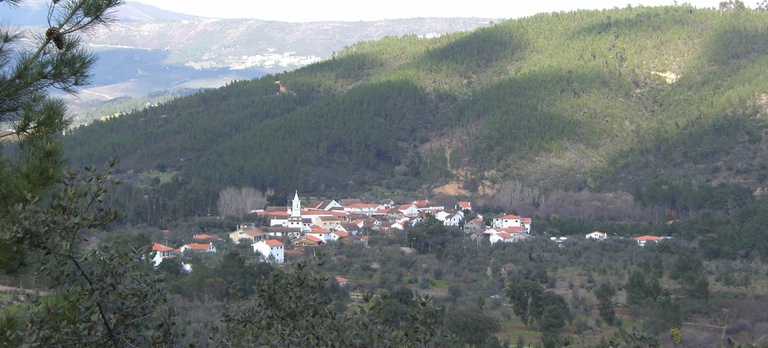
11 289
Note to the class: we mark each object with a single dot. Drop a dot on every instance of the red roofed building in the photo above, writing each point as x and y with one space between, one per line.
271 250
252 234
362 208
205 237
198 247
161 252
501 237
306 241
643 239
321 233
342 281
336 235
508 220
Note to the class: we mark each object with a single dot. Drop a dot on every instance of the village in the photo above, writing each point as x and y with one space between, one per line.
291 230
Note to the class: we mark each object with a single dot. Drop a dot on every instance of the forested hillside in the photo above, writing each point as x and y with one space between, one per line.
609 100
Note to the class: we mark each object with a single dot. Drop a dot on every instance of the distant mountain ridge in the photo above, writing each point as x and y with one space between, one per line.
152 51
600 100
34 13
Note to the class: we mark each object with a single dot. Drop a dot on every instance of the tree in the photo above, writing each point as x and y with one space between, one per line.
605 293
524 296
110 296
471 325
238 202
552 312
107 296
288 310
689 271
54 60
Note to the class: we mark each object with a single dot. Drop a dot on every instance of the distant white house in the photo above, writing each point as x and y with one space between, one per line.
409 210
501 237
464 205
321 233
271 249
642 240
454 219
511 220
161 252
450 218
506 235
198 247
597 235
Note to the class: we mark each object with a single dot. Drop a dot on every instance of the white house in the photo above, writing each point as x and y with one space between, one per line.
271 249
322 234
454 219
597 235
501 237
198 247
336 235
161 252
348 227
398 225
505 221
527 225
642 240
506 235
427 206
363 208
409 210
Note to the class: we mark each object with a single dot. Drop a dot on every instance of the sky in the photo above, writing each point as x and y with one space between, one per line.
346 10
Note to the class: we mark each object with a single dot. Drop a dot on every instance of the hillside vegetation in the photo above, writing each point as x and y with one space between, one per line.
600 100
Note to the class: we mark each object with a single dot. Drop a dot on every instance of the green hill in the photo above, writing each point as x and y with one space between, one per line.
605 100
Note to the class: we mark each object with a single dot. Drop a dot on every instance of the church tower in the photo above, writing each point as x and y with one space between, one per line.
295 220
296 207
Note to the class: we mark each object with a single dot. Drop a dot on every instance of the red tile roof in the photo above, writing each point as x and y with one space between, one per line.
160 247
274 242
647 238
204 237
198 246
252 231
314 239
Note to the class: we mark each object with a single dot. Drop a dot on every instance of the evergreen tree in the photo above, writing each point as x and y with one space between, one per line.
30 154
104 297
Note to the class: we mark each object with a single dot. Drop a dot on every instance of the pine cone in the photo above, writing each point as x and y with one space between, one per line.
52 32
59 42
54 35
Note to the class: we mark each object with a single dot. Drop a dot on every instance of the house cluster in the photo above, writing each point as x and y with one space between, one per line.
203 243
505 228
345 221
317 223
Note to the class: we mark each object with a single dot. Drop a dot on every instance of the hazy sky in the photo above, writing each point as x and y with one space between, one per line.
346 10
